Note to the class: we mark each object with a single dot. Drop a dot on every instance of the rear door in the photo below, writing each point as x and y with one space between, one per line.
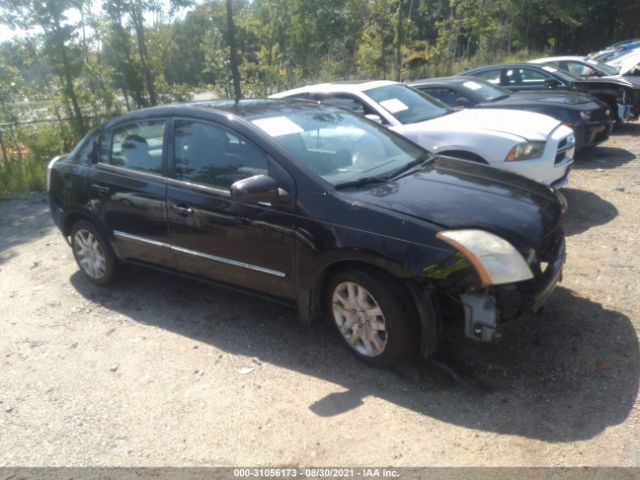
215 237
128 190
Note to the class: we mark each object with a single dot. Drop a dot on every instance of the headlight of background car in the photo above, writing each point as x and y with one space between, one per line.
496 260
585 115
525 151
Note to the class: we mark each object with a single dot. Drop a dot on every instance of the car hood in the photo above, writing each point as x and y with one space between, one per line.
605 82
527 125
551 98
634 81
457 194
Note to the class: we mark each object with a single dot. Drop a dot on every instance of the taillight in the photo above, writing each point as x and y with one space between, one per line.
49 168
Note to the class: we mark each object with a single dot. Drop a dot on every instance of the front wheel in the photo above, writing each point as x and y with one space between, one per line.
92 253
372 316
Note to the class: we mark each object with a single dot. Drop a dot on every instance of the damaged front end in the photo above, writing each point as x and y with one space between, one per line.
492 288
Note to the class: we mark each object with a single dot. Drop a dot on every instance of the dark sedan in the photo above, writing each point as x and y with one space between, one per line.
622 96
315 206
589 117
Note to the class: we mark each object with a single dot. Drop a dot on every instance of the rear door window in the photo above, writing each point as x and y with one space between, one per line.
136 146
529 77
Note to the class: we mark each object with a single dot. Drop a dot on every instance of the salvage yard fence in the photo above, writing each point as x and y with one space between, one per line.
26 148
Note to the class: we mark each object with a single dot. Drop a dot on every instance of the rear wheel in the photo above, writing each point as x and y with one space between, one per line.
92 253
369 311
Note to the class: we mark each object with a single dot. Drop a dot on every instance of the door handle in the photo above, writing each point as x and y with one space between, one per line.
100 189
181 208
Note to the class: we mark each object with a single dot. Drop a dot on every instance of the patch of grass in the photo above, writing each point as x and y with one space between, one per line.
18 176
28 153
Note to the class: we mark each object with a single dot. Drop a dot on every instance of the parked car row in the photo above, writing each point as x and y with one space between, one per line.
621 95
589 117
530 144
372 205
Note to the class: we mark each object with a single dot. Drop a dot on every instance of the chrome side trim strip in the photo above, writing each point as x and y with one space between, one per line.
228 261
215 258
136 238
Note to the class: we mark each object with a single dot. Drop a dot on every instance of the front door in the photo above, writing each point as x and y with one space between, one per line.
215 237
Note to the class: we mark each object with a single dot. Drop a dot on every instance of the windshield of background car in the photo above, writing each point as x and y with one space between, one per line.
486 90
406 104
608 69
562 74
338 145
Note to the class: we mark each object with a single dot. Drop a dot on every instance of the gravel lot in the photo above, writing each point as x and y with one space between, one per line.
162 371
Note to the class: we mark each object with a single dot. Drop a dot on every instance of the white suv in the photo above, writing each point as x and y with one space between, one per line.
530 144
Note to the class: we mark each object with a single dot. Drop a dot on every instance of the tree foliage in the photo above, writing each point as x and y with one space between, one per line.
81 60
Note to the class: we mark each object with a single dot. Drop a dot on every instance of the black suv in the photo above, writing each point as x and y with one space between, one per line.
316 206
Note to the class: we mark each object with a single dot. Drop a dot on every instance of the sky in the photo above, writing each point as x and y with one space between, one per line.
73 16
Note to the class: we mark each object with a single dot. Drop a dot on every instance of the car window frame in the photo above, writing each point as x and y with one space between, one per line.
275 169
96 162
486 71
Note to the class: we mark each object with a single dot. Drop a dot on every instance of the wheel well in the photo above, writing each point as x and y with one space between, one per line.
321 283
464 155
72 219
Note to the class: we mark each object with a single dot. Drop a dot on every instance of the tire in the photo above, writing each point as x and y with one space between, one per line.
353 293
93 253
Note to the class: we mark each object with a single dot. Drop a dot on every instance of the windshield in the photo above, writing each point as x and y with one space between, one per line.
564 75
339 146
603 67
487 91
406 104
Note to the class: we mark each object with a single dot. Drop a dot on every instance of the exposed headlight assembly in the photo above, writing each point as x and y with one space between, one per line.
496 261
525 151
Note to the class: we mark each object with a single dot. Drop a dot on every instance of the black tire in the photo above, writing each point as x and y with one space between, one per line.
400 336
110 261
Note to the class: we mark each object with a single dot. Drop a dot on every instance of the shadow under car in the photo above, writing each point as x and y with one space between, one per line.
565 376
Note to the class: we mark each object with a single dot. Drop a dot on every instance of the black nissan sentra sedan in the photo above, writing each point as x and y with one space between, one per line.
316 206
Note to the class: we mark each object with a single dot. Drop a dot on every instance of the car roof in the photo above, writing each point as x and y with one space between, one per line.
558 59
439 81
245 108
506 65
336 87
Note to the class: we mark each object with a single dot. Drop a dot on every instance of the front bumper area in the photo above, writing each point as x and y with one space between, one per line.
590 134
552 168
485 310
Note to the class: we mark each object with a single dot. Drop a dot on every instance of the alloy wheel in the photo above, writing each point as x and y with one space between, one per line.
90 254
359 318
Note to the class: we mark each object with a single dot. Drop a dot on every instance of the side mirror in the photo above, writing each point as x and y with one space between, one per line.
374 118
552 83
259 189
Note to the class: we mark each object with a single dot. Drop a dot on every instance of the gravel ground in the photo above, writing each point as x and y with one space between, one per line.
162 371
